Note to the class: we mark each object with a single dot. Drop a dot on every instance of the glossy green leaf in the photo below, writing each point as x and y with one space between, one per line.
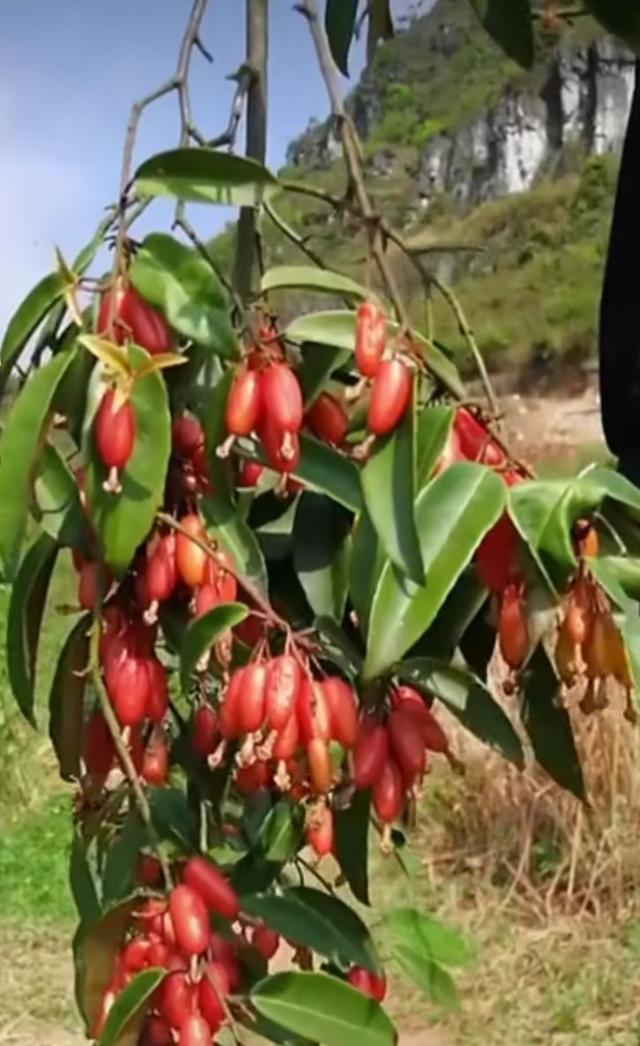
621 17
81 881
21 446
388 488
56 495
66 700
463 604
453 514
435 981
510 24
122 521
619 576
281 831
549 726
236 538
367 564
128 1012
337 646
94 950
338 328
27 317
215 432
323 1009
340 23
433 426
469 700
205 176
321 553
310 278
318 364
202 633
430 937
26 609
178 281
173 818
351 826
119 874
318 921
329 472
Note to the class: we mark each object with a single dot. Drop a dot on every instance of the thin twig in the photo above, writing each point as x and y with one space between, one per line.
244 77
317 194
182 222
122 751
293 236
316 874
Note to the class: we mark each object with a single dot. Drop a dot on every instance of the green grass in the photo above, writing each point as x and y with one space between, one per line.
34 853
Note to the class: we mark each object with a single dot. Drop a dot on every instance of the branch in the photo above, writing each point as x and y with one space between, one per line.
181 222
293 236
318 194
244 77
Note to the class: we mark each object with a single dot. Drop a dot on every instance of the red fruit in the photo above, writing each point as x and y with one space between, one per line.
450 455
190 558
230 707
98 750
282 397
343 711
281 448
190 920
513 631
207 599
187 436
134 320
156 1032
220 573
213 988
115 431
284 677
319 833
390 396
136 955
250 473
475 440
328 419
407 744
244 404
160 954
129 689
371 338
161 574
251 700
287 739
155 762
368 983
149 870
195 1032
312 708
176 998
266 941
250 779
496 558
320 768
434 736
388 793
371 751
210 884
157 702
205 730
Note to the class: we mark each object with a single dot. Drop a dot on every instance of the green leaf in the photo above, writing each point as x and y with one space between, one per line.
94 949
321 553
388 487
323 1009
549 726
122 521
435 940
66 700
380 25
173 818
462 606
367 563
27 317
436 982
433 426
453 513
236 538
81 881
340 24
202 632
470 701
281 831
310 278
21 446
178 281
621 17
318 921
205 176
128 1012
620 578
318 364
352 844
119 877
26 609
59 510
509 23
338 328
329 472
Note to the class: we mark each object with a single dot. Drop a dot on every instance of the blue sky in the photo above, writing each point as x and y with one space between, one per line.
69 70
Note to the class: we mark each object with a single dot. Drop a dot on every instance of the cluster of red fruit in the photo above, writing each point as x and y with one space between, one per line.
391 376
391 754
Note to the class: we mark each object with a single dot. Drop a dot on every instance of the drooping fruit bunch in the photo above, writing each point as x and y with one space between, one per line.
124 316
392 377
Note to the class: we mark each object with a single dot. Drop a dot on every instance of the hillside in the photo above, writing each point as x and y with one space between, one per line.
465 149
